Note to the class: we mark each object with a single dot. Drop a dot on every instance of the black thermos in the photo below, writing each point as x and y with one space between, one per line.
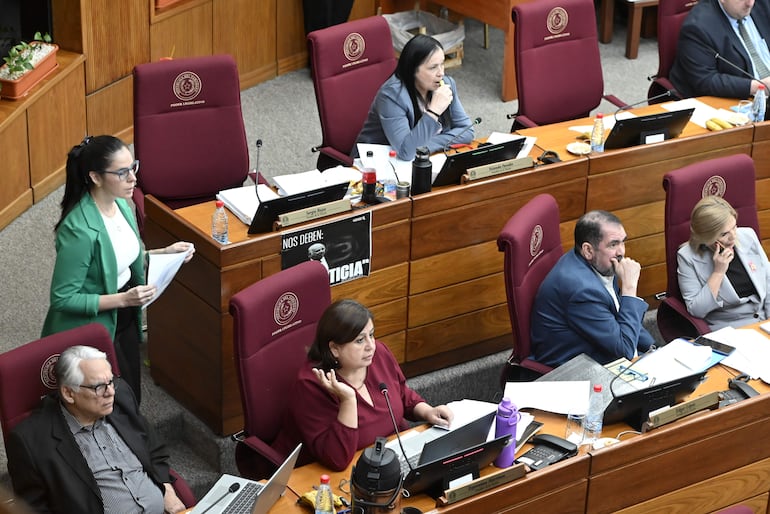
422 171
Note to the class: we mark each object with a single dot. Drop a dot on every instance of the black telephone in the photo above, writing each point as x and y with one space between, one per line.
739 390
547 450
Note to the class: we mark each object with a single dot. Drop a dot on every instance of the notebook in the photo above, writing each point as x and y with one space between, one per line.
251 497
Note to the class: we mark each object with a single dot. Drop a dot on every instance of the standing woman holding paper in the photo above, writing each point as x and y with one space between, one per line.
418 105
99 273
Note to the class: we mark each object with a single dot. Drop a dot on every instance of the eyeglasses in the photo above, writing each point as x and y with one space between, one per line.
101 389
122 173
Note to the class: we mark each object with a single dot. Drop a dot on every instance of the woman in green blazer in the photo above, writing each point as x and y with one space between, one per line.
99 274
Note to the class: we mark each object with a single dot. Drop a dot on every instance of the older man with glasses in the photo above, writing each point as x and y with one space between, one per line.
87 449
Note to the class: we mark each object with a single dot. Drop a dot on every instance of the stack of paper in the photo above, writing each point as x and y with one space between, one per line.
243 202
310 180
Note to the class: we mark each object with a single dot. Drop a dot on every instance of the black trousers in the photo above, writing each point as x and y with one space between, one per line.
127 350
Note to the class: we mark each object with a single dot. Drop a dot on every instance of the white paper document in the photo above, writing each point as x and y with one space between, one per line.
243 202
701 114
679 358
752 351
295 183
161 271
560 397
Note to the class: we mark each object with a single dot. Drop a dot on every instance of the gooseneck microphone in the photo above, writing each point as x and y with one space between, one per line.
233 487
256 171
384 391
668 92
749 75
476 121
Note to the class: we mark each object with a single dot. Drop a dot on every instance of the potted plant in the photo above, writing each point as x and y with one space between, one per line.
26 65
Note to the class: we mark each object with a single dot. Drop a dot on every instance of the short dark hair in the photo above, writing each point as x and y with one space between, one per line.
588 228
415 52
340 323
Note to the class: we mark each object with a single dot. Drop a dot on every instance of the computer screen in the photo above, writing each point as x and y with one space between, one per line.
634 407
457 164
269 211
650 128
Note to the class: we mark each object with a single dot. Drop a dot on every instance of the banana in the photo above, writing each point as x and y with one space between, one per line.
712 125
722 123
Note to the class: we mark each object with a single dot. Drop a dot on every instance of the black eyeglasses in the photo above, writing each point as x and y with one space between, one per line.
101 389
122 173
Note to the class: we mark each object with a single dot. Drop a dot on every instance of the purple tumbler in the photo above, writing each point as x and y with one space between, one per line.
505 424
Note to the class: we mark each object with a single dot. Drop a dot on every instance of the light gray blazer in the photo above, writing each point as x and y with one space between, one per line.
728 309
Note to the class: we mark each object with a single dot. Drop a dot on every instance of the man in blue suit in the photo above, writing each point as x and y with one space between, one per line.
588 303
713 26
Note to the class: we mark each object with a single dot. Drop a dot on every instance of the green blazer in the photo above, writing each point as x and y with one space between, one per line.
86 268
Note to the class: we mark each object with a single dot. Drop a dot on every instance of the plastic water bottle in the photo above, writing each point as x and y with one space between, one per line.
597 134
324 501
422 171
594 416
219 223
505 424
760 104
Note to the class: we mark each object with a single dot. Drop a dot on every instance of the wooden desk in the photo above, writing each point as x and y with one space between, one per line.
497 13
697 465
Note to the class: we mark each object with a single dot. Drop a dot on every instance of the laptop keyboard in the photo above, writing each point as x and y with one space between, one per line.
244 500
414 460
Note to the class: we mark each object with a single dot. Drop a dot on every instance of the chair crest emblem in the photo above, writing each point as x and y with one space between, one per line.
354 46
286 308
187 85
47 375
535 243
714 186
557 20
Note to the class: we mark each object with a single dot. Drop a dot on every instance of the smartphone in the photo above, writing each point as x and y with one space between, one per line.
724 349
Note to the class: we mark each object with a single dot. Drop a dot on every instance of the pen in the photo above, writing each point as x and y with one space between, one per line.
636 374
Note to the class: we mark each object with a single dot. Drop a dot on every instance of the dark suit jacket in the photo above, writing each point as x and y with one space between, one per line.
574 313
706 30
49 472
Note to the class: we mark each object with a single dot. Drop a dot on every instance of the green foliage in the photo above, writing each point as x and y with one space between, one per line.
19 59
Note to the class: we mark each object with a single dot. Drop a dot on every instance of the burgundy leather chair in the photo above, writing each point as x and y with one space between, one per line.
188 130
531 242
274 323
671 15
349 63
732 178
558 67
27 375
736 509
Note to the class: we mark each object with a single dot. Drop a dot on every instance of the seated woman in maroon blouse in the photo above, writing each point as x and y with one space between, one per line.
336 406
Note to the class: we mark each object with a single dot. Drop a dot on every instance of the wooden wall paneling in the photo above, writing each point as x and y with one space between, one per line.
384 285
67 18
111 110
455 266
396 343
291 46
456 299
390 326
652 281
116 35
186 34
363 9
57 122
246 29
648 250
16 191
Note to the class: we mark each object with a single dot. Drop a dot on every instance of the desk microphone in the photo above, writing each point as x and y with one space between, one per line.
256 170
476 121
668 92
749 75
384 391
234 487
628 371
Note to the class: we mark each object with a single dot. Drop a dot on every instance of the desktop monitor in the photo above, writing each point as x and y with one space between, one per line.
458 163
634 408
269 211
650 128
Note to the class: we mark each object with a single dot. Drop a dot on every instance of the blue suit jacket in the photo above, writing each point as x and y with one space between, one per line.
391 122
574 313
728 309
706 31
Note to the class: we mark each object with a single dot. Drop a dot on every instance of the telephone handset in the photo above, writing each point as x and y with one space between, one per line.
739 390
547 450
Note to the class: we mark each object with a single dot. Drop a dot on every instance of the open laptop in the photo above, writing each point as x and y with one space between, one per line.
251 497
457 164
651 128
269 210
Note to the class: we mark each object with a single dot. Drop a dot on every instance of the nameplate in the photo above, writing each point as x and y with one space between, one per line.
312 213
497 168
481 484
681 410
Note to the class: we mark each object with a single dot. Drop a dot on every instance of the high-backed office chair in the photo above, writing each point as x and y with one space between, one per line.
732 178
274 322
27 374
349 63
558 67
188 130
671 15
531 242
